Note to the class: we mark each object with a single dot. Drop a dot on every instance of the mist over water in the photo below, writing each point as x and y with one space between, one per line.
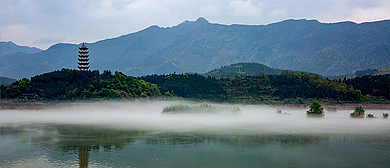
137 134
147 115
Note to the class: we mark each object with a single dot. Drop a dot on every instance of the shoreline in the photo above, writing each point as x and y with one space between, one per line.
9 104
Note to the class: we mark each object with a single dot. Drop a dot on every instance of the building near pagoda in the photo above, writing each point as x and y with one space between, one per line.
83 58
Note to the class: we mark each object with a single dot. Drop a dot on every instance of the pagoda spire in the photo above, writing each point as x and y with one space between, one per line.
83 58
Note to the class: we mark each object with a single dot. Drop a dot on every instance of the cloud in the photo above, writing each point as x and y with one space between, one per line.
48 40
245 8
278 13
45 22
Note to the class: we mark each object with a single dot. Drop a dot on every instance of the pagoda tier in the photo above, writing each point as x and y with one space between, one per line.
83 58
82 68
83 47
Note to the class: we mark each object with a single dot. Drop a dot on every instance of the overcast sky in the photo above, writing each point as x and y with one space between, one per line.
42 23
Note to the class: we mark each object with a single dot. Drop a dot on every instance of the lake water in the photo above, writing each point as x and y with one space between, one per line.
136 134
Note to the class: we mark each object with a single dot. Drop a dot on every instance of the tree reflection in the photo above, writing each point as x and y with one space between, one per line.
83 139
83 156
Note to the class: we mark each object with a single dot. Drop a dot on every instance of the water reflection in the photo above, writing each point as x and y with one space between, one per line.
83 156
70 137
84 139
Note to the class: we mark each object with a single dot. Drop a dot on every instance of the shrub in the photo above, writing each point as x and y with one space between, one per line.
315 108
359 111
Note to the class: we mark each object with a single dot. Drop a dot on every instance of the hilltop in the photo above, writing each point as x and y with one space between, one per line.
244 69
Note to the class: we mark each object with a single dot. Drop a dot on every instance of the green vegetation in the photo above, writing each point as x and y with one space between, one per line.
292 87
315 108
307 85
377 85
385 115
359 112
73 84
189 86
246 69
203 108
289 87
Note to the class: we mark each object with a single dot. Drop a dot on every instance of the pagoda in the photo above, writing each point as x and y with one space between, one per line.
83 58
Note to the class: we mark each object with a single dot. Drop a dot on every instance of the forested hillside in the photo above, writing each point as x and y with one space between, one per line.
73 84
189 86
290 86
245 69
375 85
199 46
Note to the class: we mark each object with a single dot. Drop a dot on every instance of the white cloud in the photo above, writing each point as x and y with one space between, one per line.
278 13
245 8
19 33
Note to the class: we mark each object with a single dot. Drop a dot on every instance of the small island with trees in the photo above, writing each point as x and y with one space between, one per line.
315 109
358 113
202 108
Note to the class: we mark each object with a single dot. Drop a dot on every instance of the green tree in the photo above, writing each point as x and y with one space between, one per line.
315 108
359 111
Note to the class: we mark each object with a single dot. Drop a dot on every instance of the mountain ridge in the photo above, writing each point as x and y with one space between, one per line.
9 47
200 46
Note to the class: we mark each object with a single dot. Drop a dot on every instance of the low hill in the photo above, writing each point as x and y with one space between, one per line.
68 84
244 69
6 81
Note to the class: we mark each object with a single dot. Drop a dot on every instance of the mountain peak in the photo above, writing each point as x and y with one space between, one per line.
201 20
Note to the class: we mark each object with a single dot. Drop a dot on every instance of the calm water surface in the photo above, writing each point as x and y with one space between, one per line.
136 134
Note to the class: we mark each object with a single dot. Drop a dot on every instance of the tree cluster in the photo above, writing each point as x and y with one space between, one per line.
290 84
315 108
308 85
376 85
189 86
73 84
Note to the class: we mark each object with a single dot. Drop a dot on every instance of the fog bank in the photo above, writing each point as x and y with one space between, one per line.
146 115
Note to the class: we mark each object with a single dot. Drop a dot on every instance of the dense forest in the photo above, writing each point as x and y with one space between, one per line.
290 86
375 85
74 84
189 86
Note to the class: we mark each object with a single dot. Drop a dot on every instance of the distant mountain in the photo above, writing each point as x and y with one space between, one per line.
6 81
200 46
12 48
249 69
